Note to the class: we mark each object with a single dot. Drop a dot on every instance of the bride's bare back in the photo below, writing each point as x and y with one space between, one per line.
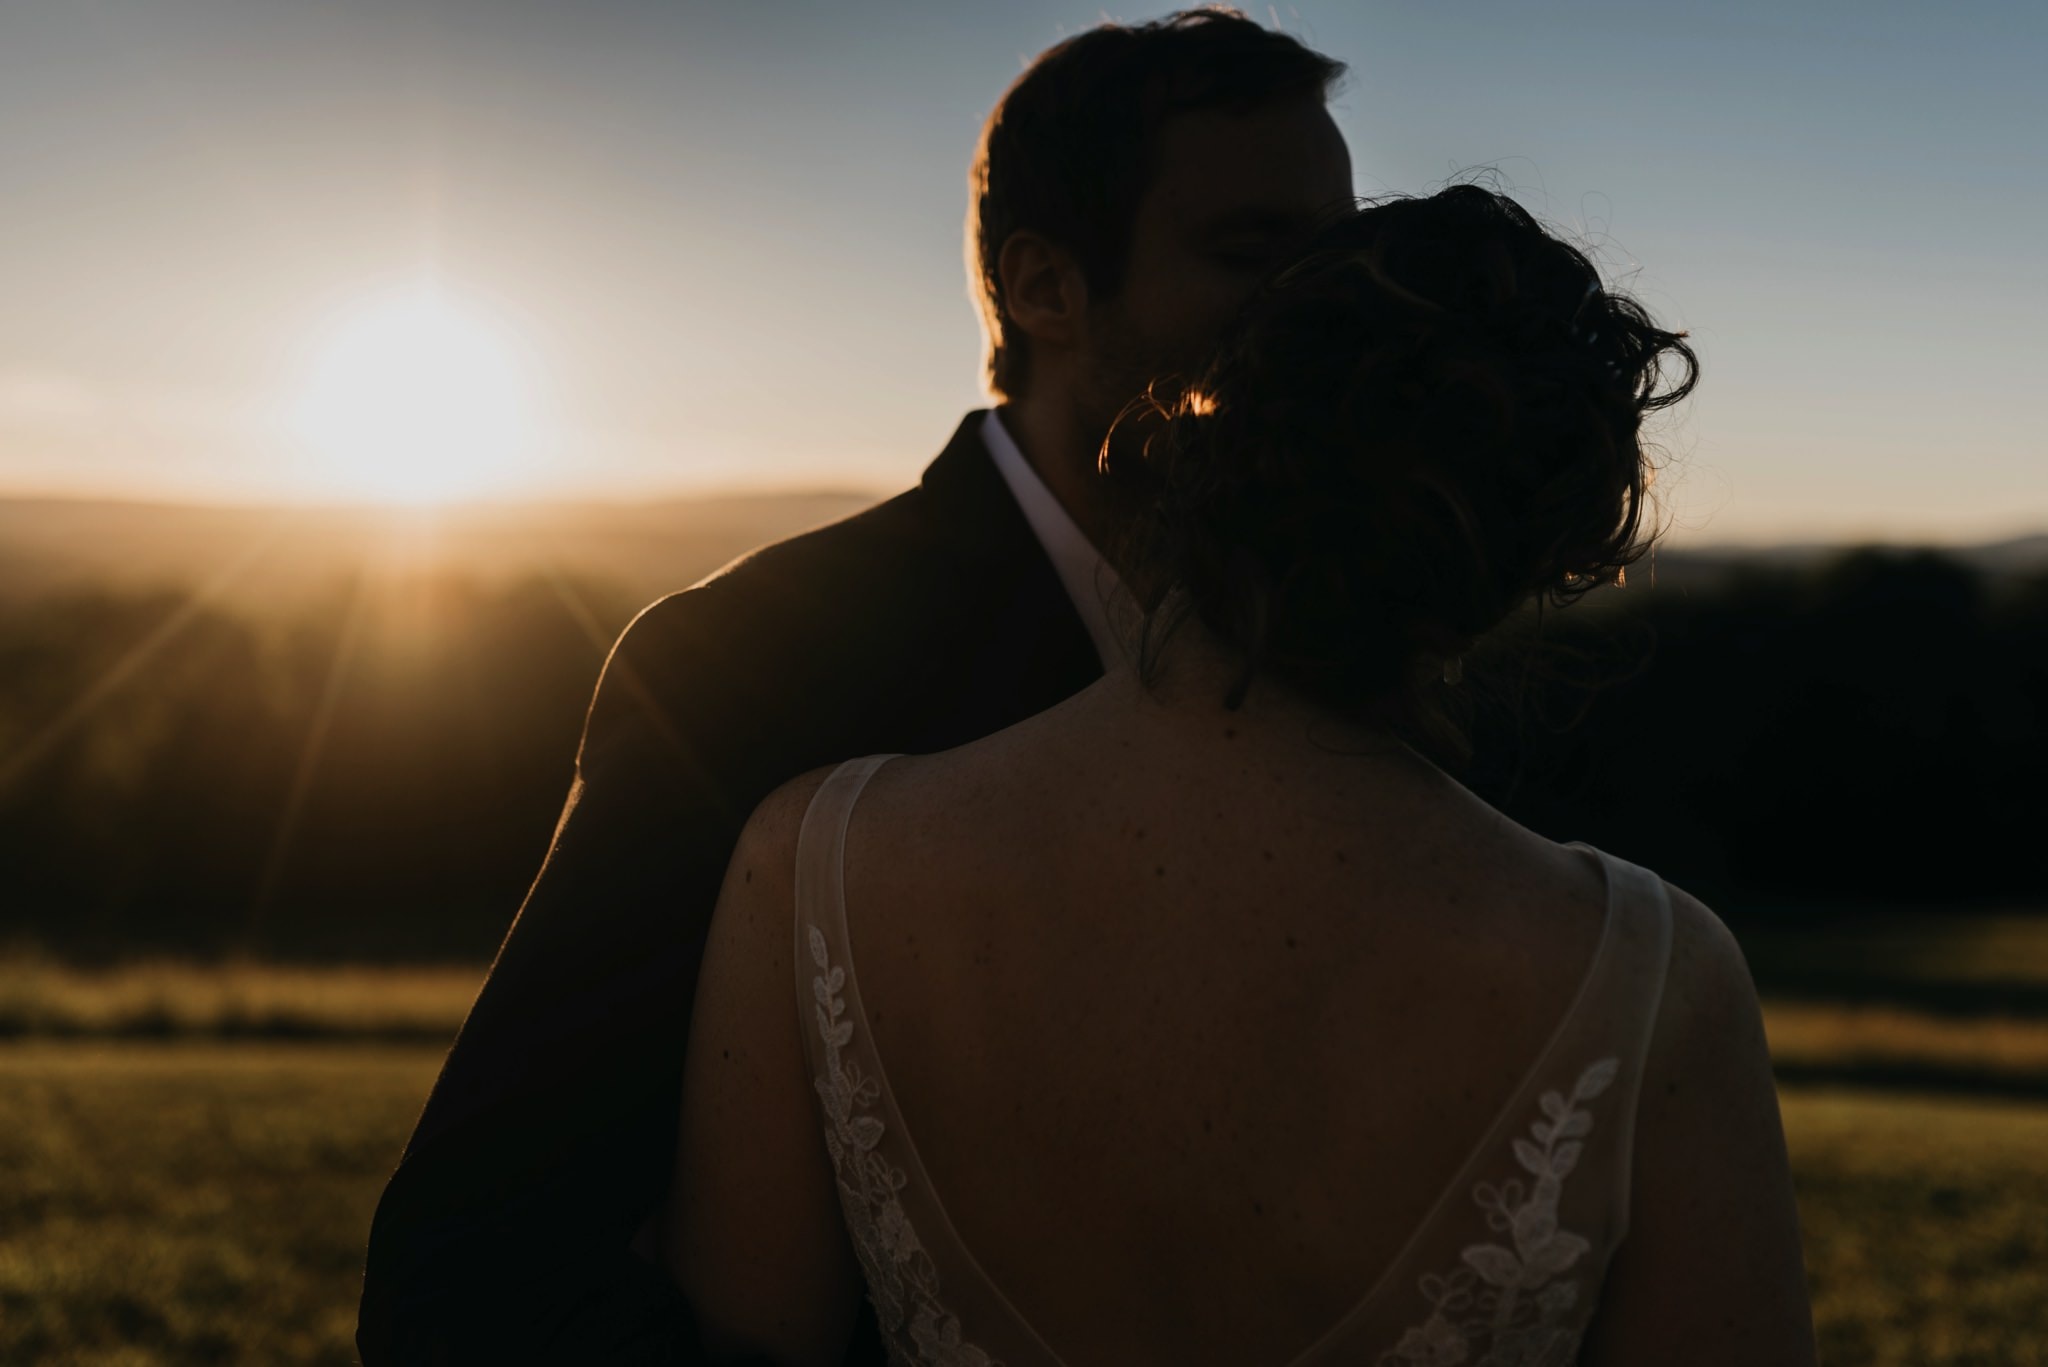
1192 1019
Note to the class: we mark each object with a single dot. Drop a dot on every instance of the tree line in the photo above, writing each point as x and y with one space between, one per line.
376 775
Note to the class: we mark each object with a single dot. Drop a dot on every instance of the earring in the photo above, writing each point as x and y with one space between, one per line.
1454 670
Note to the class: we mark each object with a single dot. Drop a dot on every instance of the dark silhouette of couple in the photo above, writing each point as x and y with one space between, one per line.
1019 923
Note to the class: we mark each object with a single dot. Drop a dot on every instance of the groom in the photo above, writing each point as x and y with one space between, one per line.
1129 191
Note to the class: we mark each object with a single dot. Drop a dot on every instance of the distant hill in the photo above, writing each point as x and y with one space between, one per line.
1706 568
275 557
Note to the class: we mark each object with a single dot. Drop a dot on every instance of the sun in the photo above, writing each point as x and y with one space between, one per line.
412 397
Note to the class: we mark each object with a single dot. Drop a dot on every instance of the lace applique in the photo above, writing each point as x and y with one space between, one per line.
1503 1308
902 1281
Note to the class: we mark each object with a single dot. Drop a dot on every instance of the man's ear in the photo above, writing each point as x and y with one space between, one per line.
1044 293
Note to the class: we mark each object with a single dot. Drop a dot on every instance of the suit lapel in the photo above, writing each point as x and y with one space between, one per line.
972 506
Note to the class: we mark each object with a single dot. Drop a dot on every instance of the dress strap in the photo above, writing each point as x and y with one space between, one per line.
1642 966
821 847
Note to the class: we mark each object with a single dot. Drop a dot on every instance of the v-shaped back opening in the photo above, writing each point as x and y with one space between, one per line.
833 871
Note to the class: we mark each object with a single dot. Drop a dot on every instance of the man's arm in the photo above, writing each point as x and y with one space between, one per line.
506 1233
506 1225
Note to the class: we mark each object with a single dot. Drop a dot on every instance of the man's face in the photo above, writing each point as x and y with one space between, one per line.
1228 193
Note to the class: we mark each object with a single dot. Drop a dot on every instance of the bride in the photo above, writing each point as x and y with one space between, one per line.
1200 1019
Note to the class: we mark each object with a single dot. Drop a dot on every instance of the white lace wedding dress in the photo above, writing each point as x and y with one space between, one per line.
1505 1270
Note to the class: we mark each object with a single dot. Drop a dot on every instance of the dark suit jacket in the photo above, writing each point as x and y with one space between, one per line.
915 626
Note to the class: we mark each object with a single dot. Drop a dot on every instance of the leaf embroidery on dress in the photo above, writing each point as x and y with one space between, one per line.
1506 1307
903 1283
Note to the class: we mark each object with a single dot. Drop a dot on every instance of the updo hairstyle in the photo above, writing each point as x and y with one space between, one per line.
1428 417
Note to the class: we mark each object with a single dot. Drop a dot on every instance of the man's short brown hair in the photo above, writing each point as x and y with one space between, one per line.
1067 152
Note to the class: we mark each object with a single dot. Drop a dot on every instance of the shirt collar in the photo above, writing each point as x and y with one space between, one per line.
1088 578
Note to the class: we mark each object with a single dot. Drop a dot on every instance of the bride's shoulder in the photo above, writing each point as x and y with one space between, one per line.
1704 936
1704 954
772 829
765 850
1709 994
1708 1030
781 813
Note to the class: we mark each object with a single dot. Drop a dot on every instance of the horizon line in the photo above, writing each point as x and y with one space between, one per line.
1818 538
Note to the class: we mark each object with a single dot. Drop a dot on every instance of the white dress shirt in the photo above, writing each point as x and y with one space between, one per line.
1088 578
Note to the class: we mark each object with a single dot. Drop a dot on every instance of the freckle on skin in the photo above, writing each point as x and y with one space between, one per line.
1268 854
1290 942
1159 870
750 875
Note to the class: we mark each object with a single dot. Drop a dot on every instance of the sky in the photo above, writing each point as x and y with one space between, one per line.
719 246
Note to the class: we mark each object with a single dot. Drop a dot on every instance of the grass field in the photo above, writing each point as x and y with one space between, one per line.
190 1154
191 1203
207 1202
172 999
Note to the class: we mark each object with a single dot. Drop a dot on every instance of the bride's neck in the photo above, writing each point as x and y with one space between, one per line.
1189 675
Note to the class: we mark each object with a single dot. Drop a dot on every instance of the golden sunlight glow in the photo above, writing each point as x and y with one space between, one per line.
415 399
